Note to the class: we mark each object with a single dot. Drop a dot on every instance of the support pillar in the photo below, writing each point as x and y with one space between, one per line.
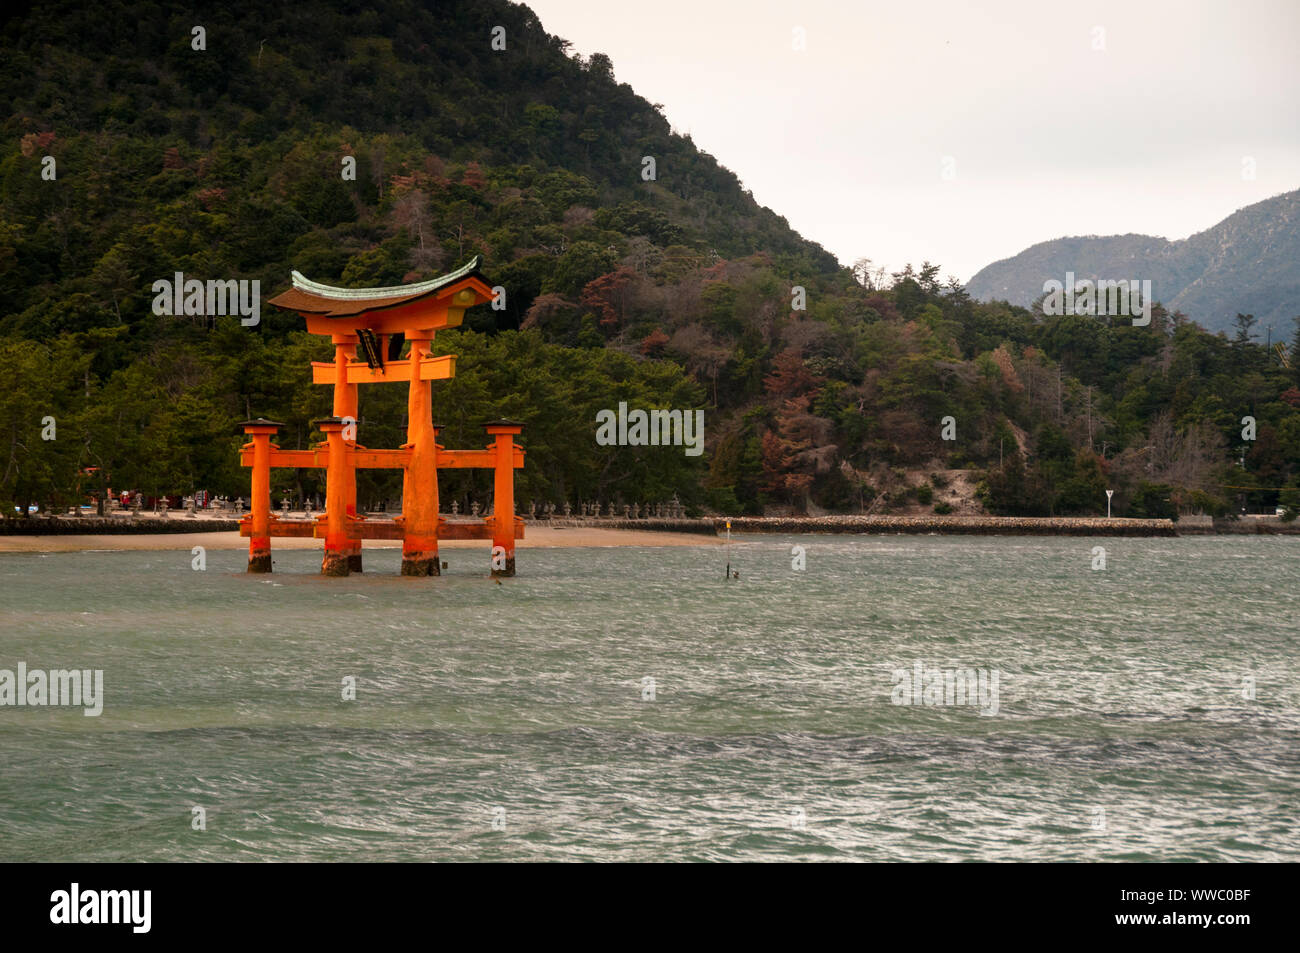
345 405
420 482
259 517
503 492
335 518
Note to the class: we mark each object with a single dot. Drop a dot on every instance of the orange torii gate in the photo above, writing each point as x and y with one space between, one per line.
368 317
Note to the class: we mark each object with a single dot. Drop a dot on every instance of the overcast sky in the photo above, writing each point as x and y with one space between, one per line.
1047 136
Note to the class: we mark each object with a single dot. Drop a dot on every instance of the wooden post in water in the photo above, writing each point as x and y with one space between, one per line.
420 487
728 576
503 490
335 517
345 408
258 519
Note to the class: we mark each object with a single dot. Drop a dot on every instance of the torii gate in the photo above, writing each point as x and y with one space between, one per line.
368 317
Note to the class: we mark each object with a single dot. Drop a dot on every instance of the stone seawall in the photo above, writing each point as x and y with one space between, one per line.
951 525
705 526
113 525
1257 527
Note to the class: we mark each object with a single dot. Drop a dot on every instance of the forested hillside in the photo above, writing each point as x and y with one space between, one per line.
673 291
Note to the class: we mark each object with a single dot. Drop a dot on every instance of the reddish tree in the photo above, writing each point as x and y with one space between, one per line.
791 456
400 183
654 343
881 304
211 197
435 168
1002 357
790 376
544 308
774 462
473 177
606 295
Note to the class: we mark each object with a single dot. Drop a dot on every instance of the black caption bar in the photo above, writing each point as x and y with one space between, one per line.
130 904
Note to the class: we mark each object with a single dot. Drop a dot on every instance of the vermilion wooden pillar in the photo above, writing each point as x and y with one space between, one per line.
335 517
259 515
345 406
420 485
503 490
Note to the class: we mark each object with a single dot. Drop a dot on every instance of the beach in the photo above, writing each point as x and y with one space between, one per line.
57 536
539 537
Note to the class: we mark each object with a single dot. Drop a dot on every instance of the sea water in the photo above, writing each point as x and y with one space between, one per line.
635 704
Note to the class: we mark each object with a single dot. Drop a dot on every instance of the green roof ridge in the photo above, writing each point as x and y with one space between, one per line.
303 283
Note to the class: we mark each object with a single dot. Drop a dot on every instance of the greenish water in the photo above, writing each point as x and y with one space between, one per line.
1120 691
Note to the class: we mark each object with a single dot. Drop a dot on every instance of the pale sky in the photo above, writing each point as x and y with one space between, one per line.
1047 136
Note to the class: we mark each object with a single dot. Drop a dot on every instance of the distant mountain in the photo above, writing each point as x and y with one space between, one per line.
1248 263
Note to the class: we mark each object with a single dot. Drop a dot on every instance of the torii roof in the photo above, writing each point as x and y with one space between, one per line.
313 298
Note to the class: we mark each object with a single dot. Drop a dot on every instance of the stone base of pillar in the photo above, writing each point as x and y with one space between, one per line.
509 570
354 561
420 565
259 562
334 564
420 556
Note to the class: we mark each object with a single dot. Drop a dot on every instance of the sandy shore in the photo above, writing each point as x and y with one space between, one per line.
540 537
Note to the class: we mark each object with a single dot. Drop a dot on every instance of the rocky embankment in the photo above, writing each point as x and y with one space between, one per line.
661 525
951 525
1252 527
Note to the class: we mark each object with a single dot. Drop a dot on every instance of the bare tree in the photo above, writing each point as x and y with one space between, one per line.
545 307
411 212
1185 458
377 156
704 356
862 273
